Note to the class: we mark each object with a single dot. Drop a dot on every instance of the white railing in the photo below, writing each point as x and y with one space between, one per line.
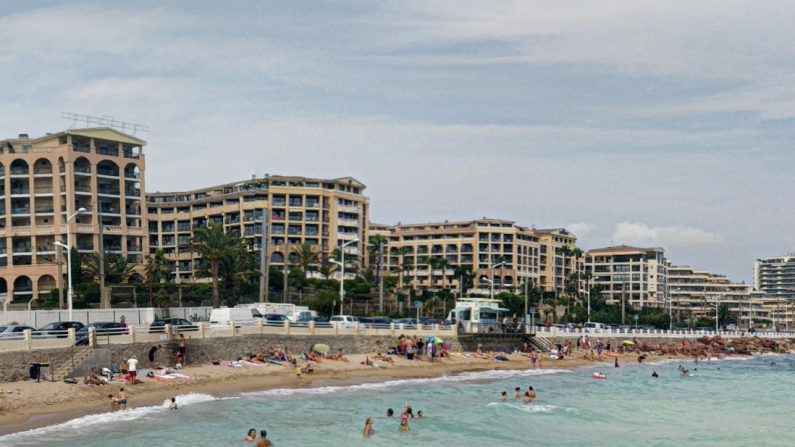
33 340
654 333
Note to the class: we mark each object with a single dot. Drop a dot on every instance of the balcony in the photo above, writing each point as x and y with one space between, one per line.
20 211
108 192
132 176
109 151
45 210
20 191
110 210
129 192
19 172
82 170
132 212
107 173
43 190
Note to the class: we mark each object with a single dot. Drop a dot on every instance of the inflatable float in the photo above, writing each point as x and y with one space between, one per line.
598 375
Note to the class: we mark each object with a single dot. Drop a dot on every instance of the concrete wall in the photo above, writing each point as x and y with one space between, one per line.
14 365
142 316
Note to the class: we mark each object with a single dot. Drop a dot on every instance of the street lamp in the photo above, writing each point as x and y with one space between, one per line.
341 263
68 247
491 271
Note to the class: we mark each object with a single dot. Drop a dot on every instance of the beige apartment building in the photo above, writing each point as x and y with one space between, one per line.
700 290
555 266
44 181
776 276
633 274
325 213
479 245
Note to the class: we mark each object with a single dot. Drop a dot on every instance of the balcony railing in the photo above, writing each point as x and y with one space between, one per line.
108 191
82 188
44 209
132 175
83 169
19 171
107 172
20 210
20 191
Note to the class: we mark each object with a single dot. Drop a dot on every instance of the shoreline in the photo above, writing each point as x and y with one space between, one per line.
64 402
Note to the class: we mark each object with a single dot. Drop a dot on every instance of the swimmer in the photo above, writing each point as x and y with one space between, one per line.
404 425
368 427
527 398
251 436
654 374
173 405
263 439
531 392
419 414
390 412
504 395
516 392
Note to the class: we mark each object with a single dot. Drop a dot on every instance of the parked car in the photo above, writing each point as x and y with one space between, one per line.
182 324
344 321
241 316
375 320
274 318
102 328
594 326
13 331
58 329
430 321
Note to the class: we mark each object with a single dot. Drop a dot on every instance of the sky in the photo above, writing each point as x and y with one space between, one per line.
656 123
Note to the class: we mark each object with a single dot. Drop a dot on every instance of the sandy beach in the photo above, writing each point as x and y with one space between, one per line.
28 404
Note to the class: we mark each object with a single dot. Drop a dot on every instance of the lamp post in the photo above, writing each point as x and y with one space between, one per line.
491 272
68 247
341 263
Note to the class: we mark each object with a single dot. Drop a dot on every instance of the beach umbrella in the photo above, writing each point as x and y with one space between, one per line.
433 339
321 348
628 343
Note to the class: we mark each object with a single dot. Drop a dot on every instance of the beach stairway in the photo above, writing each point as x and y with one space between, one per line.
540 344
65 363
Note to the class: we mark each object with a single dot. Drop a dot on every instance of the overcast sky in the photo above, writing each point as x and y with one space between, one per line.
650 123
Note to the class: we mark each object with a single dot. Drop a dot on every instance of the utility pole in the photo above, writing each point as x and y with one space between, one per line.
381 278
60 276
263 256
624 302
102 294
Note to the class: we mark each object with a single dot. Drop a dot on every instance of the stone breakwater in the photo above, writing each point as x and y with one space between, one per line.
714 346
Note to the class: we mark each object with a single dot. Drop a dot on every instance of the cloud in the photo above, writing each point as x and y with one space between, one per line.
635 233
581 229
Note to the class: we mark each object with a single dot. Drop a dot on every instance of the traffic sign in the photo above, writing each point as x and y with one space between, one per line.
636 316
531 310
417 304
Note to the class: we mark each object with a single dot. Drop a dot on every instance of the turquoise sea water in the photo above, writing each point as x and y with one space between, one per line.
736 402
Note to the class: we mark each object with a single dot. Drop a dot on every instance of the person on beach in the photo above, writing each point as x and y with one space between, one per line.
183 349
173 405
368 427
616 363
121 399
114 405
251 436
263 439
132 369
534 359
152 352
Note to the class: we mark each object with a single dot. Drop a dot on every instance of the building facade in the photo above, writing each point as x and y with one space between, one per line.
699 291
632 274
324 213
555 265
495 251
776 276
46 180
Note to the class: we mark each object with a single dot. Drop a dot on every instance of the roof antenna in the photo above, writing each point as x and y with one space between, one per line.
104 121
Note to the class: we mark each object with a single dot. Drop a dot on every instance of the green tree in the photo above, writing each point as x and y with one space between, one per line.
117 269
323 302
304 256
238 267
327 268
156 271
213 244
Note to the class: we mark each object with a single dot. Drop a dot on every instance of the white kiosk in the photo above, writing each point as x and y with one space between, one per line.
477 315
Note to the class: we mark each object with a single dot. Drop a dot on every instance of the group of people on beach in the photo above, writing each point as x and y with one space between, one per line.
416 348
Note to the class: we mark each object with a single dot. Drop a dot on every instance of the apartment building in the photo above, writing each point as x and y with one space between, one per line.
46 180
776 276
698 291
634 274
494 250
325 213
555 265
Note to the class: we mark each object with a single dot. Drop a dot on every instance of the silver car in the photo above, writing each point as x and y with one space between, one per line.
13 331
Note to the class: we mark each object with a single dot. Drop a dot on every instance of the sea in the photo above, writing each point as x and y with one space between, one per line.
742 401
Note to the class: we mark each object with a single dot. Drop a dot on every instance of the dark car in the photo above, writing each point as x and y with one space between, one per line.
274 318
182 325
375 320
58 329
102 328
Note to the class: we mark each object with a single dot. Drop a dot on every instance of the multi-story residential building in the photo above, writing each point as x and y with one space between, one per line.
492 249
556 266
699 291
776 276
636 275
45 180
322 212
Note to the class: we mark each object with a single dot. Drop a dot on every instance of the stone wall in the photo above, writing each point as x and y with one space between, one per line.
14 365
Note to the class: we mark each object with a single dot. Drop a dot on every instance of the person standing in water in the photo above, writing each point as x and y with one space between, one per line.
368 427
263 439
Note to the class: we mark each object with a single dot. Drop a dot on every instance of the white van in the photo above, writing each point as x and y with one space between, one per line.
241 316
344 321
594 327
302 316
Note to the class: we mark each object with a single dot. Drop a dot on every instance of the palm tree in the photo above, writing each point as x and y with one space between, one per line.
236 267
304 256
327 268
433 264
156 271
463 273
499 260
117 269
213 244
